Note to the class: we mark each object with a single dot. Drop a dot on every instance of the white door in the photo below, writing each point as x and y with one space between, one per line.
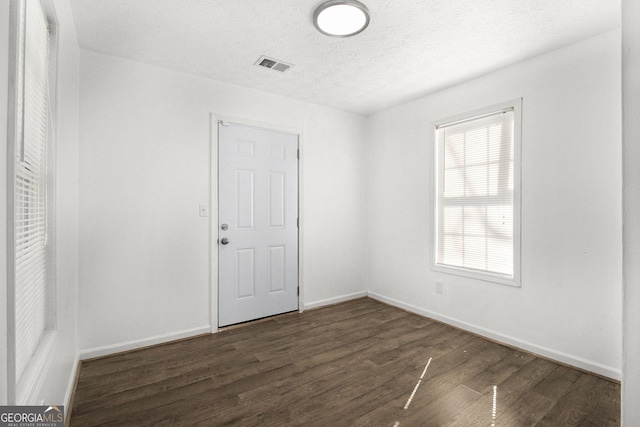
258 223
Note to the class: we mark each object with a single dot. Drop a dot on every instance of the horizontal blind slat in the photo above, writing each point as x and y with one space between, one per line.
475 193
30 187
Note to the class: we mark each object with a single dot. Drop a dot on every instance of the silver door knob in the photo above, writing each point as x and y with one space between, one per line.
224 241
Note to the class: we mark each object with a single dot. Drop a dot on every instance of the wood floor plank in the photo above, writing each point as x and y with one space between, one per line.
607 409
558 383
587 399
440 410
498 372
351 364
527 410
125 413
442 378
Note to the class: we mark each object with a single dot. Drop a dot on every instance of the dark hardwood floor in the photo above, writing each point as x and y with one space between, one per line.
352 364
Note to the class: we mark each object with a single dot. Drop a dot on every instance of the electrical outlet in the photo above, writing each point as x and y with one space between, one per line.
439 288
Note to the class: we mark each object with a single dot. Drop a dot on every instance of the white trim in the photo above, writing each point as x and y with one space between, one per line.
213 222
146 342
52 153
335 300
71 385
12 135
578 362
256 123
516 280
214 208
486 276
477 113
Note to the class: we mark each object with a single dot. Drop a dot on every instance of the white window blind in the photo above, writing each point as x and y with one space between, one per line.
30 217
475 197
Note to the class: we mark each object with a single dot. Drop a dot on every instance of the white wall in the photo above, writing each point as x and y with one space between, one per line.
144 251
56 381
631 218
4 85
145 168
569 305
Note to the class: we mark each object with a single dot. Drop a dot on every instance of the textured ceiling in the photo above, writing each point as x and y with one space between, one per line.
411 47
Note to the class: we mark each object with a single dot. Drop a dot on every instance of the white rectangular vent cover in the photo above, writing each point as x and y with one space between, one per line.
274 64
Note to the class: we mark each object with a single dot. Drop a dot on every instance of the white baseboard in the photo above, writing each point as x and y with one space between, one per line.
71 384
578 362
334 300
146 342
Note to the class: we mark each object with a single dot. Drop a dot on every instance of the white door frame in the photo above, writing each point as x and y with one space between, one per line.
214 208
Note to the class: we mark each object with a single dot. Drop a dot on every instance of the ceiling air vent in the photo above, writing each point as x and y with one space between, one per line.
273 64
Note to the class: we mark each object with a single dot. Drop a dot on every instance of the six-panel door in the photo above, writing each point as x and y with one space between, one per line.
258 214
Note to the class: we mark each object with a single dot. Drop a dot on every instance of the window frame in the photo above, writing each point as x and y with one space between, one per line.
515 280
22 391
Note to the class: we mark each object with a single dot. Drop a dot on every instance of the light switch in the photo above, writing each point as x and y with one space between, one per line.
204 210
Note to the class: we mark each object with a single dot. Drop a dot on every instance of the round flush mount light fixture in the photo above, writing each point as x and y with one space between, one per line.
341 18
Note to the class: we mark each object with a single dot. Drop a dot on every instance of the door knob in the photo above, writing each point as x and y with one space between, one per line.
224 241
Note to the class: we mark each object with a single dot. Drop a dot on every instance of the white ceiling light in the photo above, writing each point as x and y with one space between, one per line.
341 18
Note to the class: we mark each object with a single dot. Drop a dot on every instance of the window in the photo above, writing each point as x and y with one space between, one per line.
477 197
31 279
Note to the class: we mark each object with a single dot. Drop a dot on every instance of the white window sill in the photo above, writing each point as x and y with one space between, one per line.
477 274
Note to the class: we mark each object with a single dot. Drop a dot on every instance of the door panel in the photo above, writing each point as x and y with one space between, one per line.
258 206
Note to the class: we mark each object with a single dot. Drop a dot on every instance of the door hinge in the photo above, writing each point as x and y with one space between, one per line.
298 222
298 154
298 290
